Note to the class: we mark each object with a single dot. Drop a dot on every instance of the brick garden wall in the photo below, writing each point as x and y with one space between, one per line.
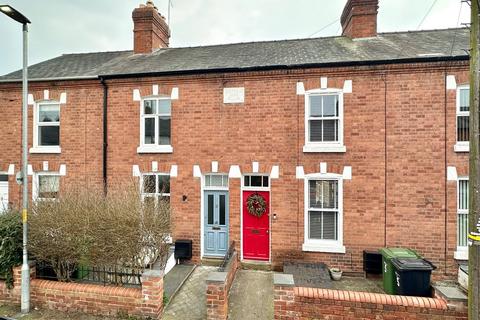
146 301
218 288
298 303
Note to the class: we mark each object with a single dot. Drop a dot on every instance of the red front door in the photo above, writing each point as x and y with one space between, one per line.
256 237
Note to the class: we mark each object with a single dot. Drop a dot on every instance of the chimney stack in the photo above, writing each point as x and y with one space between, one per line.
150 30
359 19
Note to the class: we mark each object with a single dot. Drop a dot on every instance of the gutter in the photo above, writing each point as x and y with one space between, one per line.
105 134
51 79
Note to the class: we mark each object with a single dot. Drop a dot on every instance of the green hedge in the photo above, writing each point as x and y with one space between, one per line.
10 244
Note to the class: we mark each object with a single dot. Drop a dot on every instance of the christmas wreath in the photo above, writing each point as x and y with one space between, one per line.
256 205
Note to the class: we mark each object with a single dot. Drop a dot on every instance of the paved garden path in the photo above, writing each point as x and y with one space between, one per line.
251 296
190 301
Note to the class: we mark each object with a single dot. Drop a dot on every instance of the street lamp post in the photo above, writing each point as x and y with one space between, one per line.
17 16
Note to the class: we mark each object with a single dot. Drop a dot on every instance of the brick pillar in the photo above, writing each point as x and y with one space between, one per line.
217 300
284 297
152 293
16 291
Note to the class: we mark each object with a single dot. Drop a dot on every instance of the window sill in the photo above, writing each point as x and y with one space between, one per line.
50 149
324 148
155 149
461 147
323 248
461 254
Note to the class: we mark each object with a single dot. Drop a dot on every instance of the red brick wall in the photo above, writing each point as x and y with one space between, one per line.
313 303
394 135
90 298
217 292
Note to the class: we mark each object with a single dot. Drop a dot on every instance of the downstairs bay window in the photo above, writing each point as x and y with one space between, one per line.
46 186
323 214
155 187
462 219
155 126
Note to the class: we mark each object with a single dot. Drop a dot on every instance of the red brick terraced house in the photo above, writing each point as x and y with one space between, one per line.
298 150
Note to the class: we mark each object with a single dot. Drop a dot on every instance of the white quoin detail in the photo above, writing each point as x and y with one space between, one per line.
174 94
136 170
63 170
30 99
30 170
63 98
255 167
155 89
323 82
275 172
347 86
46 95
173 171
11 169
234 172
299 173
154 166
451 82
452 174
347 173
136 95
197 173
45 165
323 167
300 88
214 166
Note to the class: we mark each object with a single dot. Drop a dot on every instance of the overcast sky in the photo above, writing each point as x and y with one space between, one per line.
66 26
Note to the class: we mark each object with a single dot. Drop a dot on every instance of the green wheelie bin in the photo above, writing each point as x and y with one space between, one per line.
387 267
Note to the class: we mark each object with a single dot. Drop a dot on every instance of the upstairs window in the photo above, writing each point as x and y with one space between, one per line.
155 187
46 131
324 121
155 125
463 119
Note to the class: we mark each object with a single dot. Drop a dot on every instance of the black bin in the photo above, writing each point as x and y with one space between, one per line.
372 262
183 249
412 276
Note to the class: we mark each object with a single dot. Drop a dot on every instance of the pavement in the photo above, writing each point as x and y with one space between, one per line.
251 296
190 301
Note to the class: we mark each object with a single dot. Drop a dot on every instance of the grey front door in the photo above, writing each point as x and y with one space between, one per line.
216 223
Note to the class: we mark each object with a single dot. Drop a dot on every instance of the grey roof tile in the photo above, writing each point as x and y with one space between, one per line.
266 54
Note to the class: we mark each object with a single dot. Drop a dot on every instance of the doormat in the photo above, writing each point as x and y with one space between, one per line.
313 275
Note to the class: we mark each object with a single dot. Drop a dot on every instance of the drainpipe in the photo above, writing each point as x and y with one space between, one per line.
105 133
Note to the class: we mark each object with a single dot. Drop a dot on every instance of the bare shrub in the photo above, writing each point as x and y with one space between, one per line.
84 227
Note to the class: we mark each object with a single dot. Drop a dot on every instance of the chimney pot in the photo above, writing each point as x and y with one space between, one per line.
359 18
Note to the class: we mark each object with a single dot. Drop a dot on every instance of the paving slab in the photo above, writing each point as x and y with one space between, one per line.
190 301
251 296
313 275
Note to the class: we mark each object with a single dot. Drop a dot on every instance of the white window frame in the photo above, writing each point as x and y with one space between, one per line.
318 245
154 148
215 188
460 146
327 146
462 251
2 209
37 148
36 184
157 193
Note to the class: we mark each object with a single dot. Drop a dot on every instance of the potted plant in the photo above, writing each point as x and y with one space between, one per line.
336 273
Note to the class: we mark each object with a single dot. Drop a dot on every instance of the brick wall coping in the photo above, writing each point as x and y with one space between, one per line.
88 288
283 280
367 297
217 277
153 273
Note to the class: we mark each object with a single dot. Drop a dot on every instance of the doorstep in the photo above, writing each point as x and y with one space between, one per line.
213 261
256 265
